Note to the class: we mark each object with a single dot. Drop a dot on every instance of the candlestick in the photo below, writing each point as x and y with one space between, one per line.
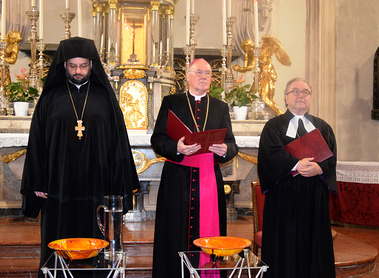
188 16
40 19
256 26
67 17
192 6
67 4
224 22
80 24
33 3
3 19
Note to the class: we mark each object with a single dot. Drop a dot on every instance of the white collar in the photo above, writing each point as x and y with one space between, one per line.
197 98
294 122
77 86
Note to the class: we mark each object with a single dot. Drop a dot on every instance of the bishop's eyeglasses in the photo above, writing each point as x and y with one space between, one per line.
200 72
298 92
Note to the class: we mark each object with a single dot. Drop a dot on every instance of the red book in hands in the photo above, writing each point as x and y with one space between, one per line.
176 129
311 144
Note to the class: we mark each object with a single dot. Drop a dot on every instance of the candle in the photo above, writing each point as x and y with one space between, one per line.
40 19
229 8
67 4
33 3
224 22
3 19
188 10
256 25
192 6
102 41
80 25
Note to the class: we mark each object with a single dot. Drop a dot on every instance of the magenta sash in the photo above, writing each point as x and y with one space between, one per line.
208 218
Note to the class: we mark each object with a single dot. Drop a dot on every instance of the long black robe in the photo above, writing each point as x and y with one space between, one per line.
76 174
297 240
177 217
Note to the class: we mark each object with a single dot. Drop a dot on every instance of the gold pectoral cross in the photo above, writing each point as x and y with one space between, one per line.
80 128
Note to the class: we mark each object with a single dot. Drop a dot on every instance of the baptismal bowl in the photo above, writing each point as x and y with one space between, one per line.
222 246
78 248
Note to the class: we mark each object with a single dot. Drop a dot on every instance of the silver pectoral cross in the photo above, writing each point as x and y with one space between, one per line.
80 128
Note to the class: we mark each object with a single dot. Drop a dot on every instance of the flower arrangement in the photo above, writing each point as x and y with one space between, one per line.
240 95
20 90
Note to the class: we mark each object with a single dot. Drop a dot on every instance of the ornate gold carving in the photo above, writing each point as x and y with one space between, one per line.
155 6
134 74
267 73
142 163
227 188
113 4
246 157
13 156
173 90
133 103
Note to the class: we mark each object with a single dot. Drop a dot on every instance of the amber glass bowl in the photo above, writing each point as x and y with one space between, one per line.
222 246
78 248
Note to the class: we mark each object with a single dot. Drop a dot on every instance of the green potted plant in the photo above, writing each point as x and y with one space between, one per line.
20 93
215 91
239 97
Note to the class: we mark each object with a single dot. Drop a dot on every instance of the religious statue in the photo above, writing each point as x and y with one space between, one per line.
267 73
11 53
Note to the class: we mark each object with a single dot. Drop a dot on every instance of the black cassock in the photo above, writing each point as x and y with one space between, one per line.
75 173
297 240
177 213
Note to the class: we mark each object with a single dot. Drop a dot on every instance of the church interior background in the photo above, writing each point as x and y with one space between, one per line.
147 45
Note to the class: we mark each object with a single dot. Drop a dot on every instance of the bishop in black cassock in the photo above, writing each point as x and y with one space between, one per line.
73 169
296 235
182 192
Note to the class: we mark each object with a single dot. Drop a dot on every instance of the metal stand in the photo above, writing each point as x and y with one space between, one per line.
118 268
242 264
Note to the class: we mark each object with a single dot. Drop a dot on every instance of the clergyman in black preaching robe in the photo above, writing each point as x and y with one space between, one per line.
296 235
69 169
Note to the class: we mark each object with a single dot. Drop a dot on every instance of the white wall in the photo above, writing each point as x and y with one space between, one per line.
357 41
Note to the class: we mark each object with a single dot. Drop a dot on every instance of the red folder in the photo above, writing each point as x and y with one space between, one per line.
311 144
176 129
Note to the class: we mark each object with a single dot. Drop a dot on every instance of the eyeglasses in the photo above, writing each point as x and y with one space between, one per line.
81 66
297 92
200 72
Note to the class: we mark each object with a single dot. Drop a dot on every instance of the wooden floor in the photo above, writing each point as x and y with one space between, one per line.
356 249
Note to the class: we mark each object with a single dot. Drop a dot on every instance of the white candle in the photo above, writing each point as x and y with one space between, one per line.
224 22
33 3
80 24
229 8
256 24
40 19
67 4
188 10
192 6
3 19
102 41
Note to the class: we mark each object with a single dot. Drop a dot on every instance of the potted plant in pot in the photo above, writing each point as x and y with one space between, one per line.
239 97
21 94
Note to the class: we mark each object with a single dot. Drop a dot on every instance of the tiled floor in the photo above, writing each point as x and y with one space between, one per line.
15 231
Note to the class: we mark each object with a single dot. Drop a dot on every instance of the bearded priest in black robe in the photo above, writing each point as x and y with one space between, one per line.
78 149
191 198
296 235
